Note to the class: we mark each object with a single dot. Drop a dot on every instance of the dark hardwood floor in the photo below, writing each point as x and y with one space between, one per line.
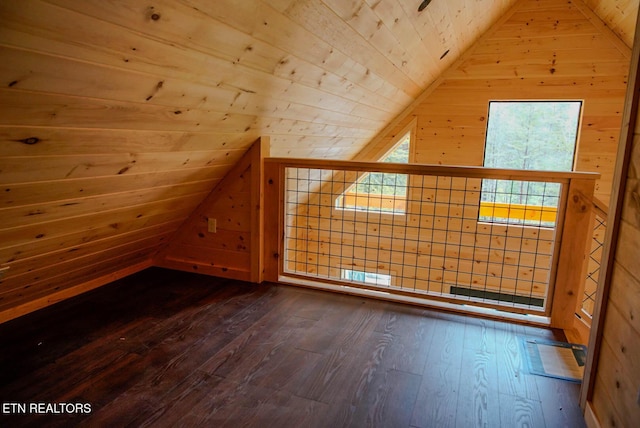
164 348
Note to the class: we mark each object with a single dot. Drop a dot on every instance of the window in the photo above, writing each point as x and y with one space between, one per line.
377 191
531 135
366 277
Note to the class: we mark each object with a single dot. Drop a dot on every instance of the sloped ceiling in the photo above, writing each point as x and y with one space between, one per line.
320 77
619 15
118 117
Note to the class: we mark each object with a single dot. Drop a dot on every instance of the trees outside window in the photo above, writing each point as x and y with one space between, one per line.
528 135
377 191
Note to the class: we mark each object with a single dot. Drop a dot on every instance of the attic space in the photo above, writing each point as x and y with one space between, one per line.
225 145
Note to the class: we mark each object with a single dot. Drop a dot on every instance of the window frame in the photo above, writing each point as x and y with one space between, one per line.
388 277
408 131
524 214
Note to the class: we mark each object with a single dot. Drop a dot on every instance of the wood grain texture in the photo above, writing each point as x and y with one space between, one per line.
122 108
169 348
437 242
545 50
572 259
620 16
234 249
614 374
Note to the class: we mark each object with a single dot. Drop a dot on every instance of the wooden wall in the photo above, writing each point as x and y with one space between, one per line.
233 247
118 118
435 245
542 50
614 389
619 15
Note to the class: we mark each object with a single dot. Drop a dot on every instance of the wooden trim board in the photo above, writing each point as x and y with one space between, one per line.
67 293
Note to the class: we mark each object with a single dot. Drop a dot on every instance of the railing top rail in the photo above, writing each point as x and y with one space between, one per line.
440 170
600 208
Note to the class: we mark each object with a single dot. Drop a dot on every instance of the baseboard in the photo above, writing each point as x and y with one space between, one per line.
58 296
203 268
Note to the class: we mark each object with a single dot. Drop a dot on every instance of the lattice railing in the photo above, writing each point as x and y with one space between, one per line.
468 236
594 261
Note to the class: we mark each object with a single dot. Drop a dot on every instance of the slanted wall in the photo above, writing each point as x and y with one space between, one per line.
223 236
613 392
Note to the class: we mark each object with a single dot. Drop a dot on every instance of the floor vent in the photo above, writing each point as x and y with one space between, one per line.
500 297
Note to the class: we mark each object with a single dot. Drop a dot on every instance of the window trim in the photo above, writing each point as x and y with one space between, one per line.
387 276
409 130
528 214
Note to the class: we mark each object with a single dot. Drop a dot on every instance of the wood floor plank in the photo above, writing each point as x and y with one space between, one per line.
559 406
255 364
248 347
389 400
335 325
348 340
120 411
479 374
172 409
412 330
291 371
438 398
281 409
436 404
166 348
355 380
519 412
514 379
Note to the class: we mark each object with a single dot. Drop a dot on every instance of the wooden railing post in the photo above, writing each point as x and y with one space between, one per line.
576 236
585 265
273 223
259 153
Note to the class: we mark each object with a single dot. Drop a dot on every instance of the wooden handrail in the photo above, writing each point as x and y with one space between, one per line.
600 208
428 169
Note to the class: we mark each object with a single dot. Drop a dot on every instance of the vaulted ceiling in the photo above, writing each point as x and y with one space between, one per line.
118 117
321 77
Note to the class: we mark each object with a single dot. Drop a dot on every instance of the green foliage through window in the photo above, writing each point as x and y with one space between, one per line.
533 135
387 184
377 191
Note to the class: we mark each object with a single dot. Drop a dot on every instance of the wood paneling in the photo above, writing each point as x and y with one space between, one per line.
544 50
613 381
541 51
109 124
618 372
619 15
125 120
234 249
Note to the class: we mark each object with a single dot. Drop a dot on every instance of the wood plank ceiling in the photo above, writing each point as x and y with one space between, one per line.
118 117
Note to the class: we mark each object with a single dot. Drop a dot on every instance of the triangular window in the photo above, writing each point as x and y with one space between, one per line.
378 191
